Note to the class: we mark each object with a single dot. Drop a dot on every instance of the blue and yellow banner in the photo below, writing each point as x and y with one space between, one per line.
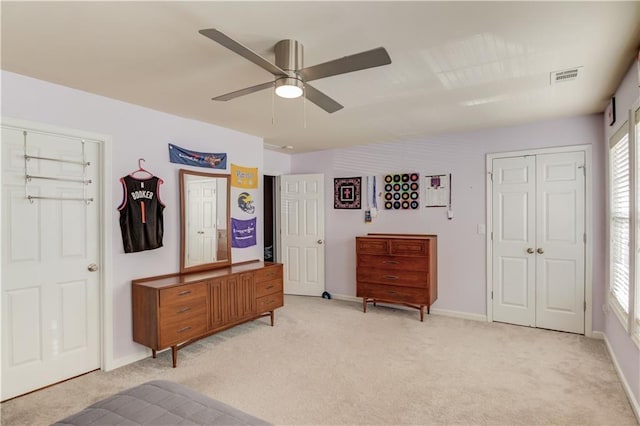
244 177
200 159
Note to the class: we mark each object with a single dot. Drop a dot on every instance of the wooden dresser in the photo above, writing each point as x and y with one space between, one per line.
397 268
177 309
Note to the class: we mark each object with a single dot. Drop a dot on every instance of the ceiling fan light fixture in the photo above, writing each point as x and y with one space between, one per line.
289 87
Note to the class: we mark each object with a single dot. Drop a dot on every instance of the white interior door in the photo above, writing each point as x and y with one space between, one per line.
514 240
302 233
50 298
202 223
538 241
560 236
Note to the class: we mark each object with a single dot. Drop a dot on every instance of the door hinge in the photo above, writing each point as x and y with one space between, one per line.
491 176
491 294
584 238
491 235
585 306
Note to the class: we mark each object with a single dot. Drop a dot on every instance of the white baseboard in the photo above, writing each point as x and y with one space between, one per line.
598 335
129 359
434 311
457 314
627 389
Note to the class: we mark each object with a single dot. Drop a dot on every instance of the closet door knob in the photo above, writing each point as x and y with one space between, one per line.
530 250
540 251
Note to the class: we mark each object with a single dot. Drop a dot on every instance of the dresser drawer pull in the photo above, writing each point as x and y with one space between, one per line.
391 262
391 292
269 288
184 292
390 277
182 330
183 310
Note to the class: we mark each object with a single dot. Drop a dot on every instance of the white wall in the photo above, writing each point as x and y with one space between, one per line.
135 132
624 350
461 250
276 163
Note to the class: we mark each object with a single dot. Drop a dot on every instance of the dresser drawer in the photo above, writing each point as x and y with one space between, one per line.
409 247
268 287
269 303
182 294
404 263
399 278
267 274
186 309
172 333
394 293
372 245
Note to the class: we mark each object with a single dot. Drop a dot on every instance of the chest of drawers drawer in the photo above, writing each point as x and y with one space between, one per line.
268 287
180 331
393 293
393 277
268 274
182 294
269 302
403 263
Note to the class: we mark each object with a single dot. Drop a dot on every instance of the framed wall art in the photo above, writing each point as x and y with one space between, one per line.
347 193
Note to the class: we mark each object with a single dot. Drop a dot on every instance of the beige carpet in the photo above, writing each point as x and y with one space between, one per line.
325 362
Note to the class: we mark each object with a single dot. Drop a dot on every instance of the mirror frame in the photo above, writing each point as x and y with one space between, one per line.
183 223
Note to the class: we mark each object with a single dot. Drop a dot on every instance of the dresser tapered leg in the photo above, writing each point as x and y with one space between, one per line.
364 305
422 313
153 353
174 355
271 318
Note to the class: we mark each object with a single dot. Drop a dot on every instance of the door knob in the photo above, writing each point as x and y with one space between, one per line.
320 241
530 250
540 251
92 267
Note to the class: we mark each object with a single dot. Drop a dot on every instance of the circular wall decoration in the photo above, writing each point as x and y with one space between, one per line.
402 191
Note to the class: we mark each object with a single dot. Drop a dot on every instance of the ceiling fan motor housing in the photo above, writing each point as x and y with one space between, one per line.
289 55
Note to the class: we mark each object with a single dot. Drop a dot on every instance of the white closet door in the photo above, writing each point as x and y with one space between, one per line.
560 214
514 240
538 208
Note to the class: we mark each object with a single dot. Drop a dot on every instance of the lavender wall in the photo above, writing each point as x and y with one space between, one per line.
135 132
624 349
461 250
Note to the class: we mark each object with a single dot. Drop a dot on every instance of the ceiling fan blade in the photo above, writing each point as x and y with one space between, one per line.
359 61
242 92
320 99
240 49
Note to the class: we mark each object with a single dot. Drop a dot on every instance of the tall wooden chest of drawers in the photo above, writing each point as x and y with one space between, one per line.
177 309
397 268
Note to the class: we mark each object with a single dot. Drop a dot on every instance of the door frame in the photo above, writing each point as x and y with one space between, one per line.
104 222
588 212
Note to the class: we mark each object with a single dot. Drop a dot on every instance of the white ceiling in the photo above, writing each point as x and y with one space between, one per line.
456 66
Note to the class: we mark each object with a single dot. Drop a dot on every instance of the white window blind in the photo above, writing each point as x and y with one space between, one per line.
620 217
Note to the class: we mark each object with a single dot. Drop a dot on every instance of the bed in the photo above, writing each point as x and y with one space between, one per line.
160 402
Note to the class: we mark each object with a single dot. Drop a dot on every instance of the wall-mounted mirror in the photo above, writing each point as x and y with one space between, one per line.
204 211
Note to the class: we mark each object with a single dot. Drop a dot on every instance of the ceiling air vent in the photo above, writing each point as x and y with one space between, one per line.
565 75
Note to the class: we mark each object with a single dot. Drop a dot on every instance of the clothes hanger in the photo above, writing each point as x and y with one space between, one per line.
141 169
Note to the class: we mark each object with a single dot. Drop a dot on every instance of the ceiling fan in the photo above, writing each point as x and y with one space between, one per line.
291 79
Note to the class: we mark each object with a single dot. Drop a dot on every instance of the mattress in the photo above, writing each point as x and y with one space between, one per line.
160 402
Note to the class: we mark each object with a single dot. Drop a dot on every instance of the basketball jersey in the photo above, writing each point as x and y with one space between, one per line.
141 211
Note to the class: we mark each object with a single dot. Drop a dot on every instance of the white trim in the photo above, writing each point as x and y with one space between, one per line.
588 285
627 389
457 314
130 359
434 311
106 294
598 335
